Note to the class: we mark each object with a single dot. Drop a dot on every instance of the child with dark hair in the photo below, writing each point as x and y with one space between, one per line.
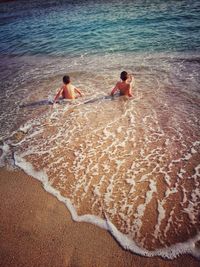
125 85
67 90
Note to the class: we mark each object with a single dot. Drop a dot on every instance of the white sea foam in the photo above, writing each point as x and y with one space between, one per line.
42 177
161 216
4 155
128 166
90 167
169 253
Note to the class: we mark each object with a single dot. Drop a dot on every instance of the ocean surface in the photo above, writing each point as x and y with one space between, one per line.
131 166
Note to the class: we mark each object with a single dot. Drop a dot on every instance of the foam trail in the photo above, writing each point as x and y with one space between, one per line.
5 151
130 166
42 177
169 253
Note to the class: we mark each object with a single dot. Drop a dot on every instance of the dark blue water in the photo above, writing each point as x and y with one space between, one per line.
93 27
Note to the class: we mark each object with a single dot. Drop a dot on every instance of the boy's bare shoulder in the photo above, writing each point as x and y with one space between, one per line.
118 83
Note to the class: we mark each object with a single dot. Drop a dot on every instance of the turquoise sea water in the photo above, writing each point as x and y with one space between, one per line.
131 166
79 27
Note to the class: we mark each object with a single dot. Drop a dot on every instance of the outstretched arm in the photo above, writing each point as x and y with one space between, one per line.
58 94
130 91
131 85
114 89
77 90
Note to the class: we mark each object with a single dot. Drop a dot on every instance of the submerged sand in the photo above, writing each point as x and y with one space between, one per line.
37 230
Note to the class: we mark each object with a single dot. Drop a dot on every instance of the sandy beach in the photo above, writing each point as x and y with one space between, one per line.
37 230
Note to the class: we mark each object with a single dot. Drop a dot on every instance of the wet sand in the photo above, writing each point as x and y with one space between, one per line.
37 230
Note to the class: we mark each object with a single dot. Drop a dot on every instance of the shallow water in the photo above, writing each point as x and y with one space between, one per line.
131 166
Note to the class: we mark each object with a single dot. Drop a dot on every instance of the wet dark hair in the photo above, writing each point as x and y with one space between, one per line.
124 75
66 79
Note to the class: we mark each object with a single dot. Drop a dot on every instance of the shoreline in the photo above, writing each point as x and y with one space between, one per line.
37 230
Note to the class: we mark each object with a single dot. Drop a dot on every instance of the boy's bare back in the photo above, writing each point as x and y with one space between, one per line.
68 90
125 85
124 88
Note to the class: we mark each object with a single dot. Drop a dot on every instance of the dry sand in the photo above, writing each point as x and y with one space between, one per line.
37 230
